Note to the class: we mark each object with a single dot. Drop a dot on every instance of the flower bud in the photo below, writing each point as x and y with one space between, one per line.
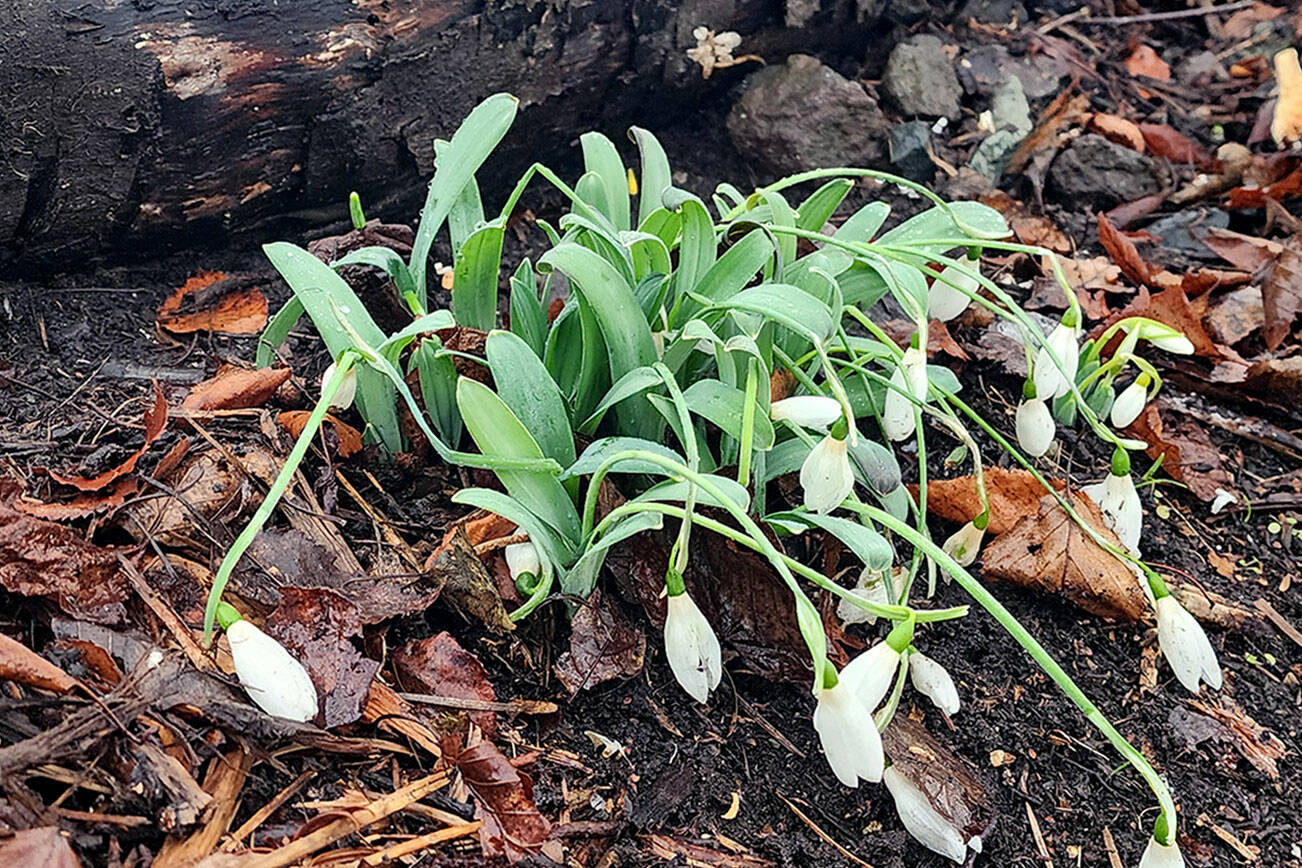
274 680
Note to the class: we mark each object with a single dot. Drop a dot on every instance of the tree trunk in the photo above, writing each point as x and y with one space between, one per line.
130 127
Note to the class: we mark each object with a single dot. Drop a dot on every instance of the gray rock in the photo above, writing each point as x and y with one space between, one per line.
1009 108
1204 65
910 155
991 156
982 69
921 80
1182 232
804 115
1101 174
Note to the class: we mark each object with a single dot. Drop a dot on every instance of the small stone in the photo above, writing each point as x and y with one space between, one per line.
1202 66
1100 174
1182 233
920 79
991 156
1009 108
983 68
804 115
910 151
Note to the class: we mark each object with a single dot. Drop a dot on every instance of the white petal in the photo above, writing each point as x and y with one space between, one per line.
1050 381
848 735
347 391
808 411
1129 404
922 820
1176 343
276 681
871 587
691 648
909 378
946 298
522 558
870 675
965 544
1158 855
826 475
1035 427
933 681
1186 646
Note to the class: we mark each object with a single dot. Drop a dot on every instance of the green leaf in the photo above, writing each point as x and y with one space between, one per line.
601 158
599 451
863 224
782 215
277 331
430 322
471 144
467 211
528 317
822 204
676 491
384 258
634 382
663 224
723 405
697 249
437 377
498 433
784 458
532 395
868 545
655 176
787 305
474 285
736 267
325 297
938 224
582 577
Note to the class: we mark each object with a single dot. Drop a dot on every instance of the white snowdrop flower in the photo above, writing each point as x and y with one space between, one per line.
522 559
1159 855
964 545
1223 499
1119 502
1172 341
826 475
1050 382
921 818
1035 427
909 378
849 737
274 680
1130 403
947 297
871 587
933 681
871 674
347 390
807 411
1186 646
692 648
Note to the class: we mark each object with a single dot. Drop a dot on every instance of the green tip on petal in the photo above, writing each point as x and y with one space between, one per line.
1120 462
227 615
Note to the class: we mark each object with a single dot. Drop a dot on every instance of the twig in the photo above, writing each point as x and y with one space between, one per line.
513 706
820 833
170 619
1039 836
123 820
416 845
1171 16
260 816
1110 846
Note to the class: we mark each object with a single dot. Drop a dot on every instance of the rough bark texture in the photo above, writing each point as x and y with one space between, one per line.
127 126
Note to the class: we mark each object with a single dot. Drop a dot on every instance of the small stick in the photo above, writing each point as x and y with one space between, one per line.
168 616
123 820
513 706
820 833
261 815
1171 16
415 845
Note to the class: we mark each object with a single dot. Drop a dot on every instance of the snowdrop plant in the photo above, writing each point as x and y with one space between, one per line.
701 349
273 678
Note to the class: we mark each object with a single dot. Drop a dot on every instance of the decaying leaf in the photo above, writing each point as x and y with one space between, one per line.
1013 494
20 664
316 625
1048 551
953 785
1035 229
44 559
350 439
1188 454
233 388
604 644
203 488
1163 141
439 666
155 421
46 847
1281 293
1231 725
1117 129
210 301
1144 61
513 827
84 504
466 581
1124 253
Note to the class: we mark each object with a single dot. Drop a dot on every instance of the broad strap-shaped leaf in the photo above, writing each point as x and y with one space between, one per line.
655 177
475 274
277 331
528 318
384 258
633 383
599 451
438 377
822 204
531 393
723 406
601 158
868 545
786 305
582 577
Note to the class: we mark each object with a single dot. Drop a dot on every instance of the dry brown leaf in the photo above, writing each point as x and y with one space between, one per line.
1013 494
22 665
1033 229
45 847
1281 293
1280 379
1259 745
1124 253
203 304
1286 126
604 644
1118 130
1255 196
1143 60
350 439
513 827
155 421
1048 551
233 388
1187 452
1163 141
82 505
1247 252
955 788
439 666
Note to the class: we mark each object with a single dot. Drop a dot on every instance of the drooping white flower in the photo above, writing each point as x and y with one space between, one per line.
1173 343
808 411
347 391
871 674
826 475
274 680
933 681
909 378
1119 502
965 543
692 648
1035 427
1049 380
921 818
871 587
947 298
521 559
1159 855
1186 646
1130 403
849 736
